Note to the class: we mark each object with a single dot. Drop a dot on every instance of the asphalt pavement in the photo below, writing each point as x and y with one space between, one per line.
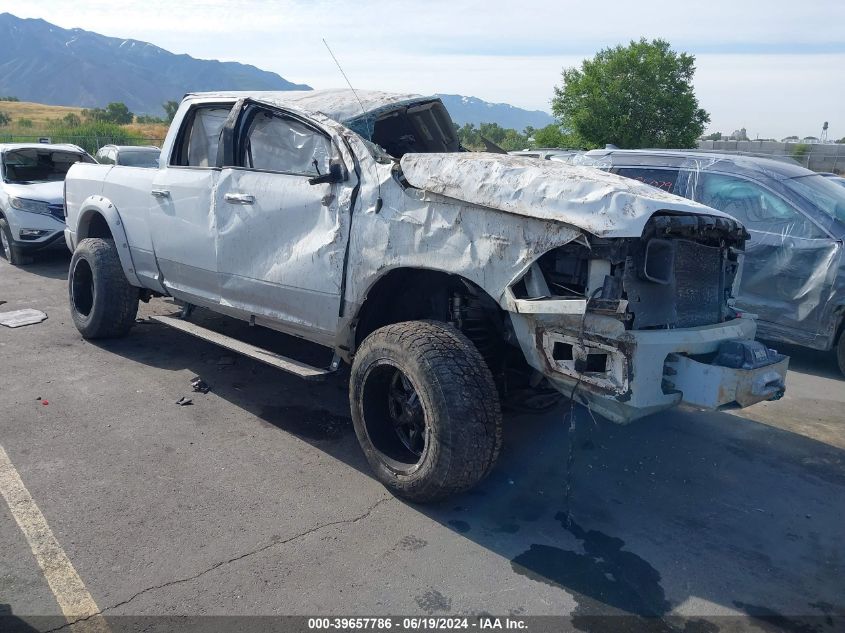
256 499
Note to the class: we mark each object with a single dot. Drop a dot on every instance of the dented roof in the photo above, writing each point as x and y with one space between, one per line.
341 105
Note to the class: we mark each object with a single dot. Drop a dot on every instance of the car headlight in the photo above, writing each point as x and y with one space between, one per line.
33 206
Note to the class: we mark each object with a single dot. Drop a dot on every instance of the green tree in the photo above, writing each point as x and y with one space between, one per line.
27 123
715 136
553 136
5 119
115 112
639 95
71 120
170 108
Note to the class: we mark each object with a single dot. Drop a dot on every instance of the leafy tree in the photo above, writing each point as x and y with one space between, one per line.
553 136
715 136
791 138
5 119
170 108
27 123
639 95
115 112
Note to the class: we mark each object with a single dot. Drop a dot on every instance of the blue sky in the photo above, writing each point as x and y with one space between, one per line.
775 67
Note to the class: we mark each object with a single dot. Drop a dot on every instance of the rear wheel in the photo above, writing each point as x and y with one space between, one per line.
10 252
425 409
102 302
840 351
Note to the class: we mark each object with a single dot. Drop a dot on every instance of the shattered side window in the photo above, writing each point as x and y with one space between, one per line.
755 206
275 143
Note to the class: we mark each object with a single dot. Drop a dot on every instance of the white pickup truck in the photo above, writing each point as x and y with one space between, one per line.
449 280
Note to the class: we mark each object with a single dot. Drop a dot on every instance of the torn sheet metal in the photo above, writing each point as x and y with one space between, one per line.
416 229
600 203
793 268
19 318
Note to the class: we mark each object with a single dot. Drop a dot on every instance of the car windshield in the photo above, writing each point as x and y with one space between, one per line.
824 194
30 165
136 158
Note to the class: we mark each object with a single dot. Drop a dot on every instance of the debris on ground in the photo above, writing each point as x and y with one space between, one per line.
199 385
45 402
19 318
184 402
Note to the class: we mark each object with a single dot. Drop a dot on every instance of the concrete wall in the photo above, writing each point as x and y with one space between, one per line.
818 156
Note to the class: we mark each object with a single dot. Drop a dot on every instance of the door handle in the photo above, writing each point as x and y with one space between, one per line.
160 193
239 198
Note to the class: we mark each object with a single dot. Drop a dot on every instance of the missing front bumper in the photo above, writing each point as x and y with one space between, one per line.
624 375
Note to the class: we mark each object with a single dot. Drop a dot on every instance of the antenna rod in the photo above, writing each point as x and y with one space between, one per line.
364 113
349 83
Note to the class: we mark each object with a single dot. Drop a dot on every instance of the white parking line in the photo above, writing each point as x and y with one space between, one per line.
73 598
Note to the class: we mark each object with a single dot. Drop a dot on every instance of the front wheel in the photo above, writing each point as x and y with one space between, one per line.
10 252
425 410
103 304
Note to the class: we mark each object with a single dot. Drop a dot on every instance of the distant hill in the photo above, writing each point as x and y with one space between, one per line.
473 110
45 63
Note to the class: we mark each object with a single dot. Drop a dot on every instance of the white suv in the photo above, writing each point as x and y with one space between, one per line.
32 195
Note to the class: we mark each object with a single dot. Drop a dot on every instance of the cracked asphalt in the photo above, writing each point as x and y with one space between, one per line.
256 499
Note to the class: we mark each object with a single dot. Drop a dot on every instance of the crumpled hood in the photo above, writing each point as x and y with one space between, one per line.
52 192
595 201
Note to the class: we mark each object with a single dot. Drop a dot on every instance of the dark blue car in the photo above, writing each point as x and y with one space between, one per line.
793 275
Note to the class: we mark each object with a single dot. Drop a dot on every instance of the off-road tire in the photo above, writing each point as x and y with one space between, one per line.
9 251
840 351
458 398
102 302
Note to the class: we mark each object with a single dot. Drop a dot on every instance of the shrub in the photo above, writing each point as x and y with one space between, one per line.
92 135
27 123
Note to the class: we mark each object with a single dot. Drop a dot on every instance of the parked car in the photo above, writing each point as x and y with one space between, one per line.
793 276
129 155
447 279
546 153
31 196
836 178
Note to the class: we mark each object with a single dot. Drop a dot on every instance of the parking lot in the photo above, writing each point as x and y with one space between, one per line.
257 499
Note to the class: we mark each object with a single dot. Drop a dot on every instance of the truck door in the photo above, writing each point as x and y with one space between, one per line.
789 262
182 222
281 237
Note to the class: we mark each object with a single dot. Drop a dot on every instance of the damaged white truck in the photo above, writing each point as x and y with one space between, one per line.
450 281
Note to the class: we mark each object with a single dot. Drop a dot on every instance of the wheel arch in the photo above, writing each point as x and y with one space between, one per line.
99 217
412 294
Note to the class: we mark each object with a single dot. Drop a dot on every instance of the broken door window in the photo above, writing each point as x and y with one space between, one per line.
275 143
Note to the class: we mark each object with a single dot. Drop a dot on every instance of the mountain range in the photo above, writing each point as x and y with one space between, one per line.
45 63
474 110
